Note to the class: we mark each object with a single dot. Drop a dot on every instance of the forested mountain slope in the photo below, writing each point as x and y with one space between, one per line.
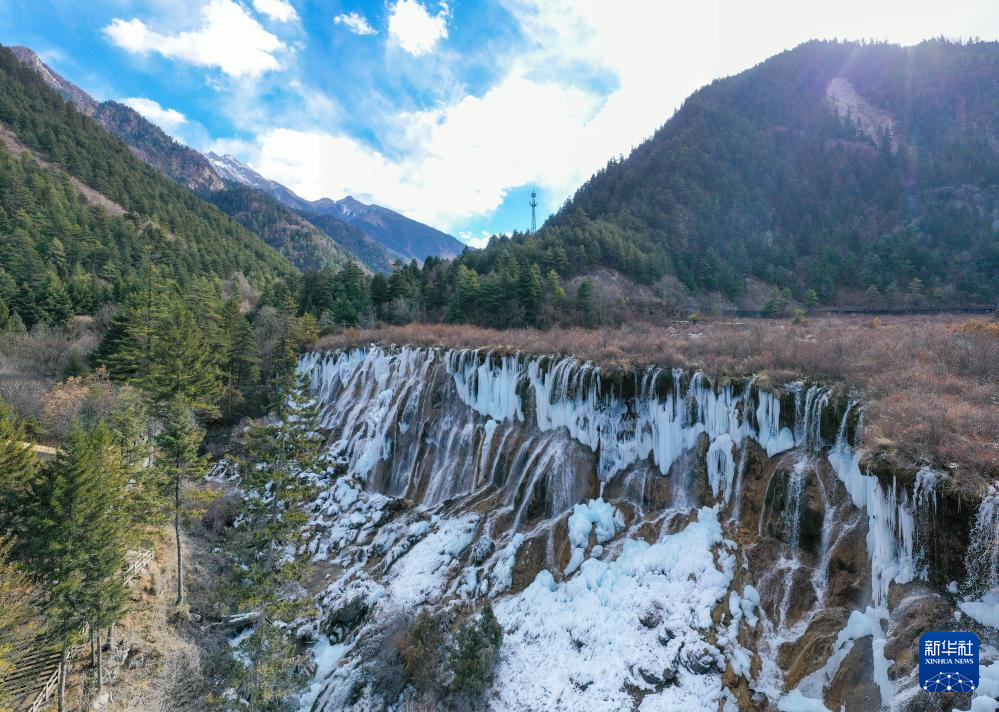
150 143
308 245
62 255
379 236
842 168
305 244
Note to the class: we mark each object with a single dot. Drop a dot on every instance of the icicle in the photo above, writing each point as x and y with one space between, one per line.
982 558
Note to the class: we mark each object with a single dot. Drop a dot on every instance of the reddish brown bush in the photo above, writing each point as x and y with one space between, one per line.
931 384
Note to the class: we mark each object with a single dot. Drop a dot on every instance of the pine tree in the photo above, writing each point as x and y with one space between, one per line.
17 473
586 303
278 453
16 324
130 435
379 292
529 290
18 620
55 301
183 363
284 363
105 592
461 306
240 358
126 348
79 537
474 656
178 444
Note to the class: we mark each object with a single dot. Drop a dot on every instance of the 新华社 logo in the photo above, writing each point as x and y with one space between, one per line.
948 662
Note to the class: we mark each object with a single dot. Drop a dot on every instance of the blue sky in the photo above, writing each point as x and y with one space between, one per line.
448 112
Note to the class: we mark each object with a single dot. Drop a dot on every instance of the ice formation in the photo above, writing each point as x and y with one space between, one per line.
499 451
577 644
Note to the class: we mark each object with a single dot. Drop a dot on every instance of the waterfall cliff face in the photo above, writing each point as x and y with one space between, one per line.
650 539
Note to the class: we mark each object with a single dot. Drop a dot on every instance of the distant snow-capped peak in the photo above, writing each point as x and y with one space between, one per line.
232 169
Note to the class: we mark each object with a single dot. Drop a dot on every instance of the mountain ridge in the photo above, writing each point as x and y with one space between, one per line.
83 219
214 176
838 173
397 233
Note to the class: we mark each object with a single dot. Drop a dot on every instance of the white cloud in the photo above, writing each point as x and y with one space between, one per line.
544 123
356 23
279 10
168 119
455 163
472 240
229 38
414 29
590 80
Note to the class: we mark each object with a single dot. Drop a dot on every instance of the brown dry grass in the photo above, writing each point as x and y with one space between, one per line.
163 663
930 383
31 366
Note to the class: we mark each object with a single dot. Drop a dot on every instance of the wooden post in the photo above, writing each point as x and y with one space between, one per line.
180 553
62 675
100 664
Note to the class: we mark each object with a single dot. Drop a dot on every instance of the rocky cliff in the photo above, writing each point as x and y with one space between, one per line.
649 539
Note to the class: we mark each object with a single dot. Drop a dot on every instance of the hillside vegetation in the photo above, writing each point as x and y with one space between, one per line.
300 241
57 247
832 170
929 384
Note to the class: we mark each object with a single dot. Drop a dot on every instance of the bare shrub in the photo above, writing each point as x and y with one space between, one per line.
64 401
410 656
385 663
220 514
930 383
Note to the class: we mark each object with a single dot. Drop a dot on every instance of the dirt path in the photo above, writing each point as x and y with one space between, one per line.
161 648
151 648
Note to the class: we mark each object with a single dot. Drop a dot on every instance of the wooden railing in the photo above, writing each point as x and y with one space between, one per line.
136 567
36 675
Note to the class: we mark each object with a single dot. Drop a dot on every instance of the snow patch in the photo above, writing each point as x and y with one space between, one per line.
577 644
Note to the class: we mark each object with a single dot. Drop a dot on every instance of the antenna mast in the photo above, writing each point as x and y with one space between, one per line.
534 209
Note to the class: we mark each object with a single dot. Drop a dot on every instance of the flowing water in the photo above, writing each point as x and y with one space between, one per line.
545 481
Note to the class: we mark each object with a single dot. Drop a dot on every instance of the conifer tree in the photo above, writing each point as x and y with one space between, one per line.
461 306
586 303
126 348
17 473
105 591
130 424
178 444
203 297
17 614
240 358
279 454
80 538
183 363
284 363
16 324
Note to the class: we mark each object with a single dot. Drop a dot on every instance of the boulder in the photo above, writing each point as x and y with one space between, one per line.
802 657
652 616
659 678
482 549
344 618
853 688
